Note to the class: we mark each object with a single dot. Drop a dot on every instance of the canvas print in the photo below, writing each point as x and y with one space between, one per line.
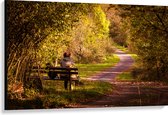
83 55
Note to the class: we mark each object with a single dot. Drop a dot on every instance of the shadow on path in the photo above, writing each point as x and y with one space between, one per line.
132 94
127 93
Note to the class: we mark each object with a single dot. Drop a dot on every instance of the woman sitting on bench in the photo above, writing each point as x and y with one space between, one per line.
67 62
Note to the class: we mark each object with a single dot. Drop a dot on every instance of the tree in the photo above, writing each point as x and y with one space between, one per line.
28 25
87 37
148 37
90 38
118 29
39 32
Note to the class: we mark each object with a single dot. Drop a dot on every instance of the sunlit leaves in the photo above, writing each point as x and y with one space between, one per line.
29 24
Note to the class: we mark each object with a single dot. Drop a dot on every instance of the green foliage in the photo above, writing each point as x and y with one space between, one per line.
87 37
117 29
101 22
39 32
148 38
30 25
86 70
91 43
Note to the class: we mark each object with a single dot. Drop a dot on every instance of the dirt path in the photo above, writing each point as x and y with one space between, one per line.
131 94
127 93
125 63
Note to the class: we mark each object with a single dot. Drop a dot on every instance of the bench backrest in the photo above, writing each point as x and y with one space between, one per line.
58 70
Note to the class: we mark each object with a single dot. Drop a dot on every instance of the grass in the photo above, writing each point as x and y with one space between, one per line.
86 70
125 76
55 96
124 49
58 97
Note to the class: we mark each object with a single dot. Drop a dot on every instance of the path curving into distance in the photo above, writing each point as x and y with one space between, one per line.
127 93
108 75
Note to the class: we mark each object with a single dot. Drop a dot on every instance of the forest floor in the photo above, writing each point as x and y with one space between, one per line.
127 93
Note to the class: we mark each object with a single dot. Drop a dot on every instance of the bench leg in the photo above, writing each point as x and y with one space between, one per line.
70 85
66 84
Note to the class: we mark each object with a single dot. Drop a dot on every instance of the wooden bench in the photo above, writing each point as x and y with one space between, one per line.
58 73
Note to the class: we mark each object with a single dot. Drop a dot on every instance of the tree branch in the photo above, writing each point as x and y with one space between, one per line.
153 25
161 21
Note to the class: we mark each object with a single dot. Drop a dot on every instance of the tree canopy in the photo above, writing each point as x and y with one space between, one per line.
147 37
39 33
